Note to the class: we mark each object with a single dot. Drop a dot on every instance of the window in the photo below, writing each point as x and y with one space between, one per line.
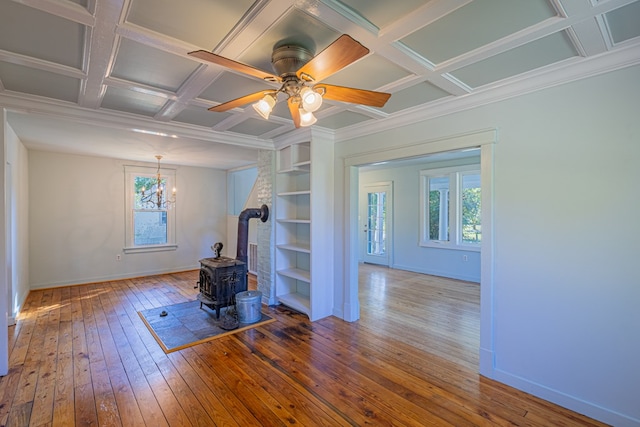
450 208
150 221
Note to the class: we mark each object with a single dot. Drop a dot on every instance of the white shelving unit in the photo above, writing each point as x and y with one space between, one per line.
302 232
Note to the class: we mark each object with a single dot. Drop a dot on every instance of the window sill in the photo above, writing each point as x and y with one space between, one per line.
448 245
153 248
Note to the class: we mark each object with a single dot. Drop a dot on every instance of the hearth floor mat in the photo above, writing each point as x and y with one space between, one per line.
186 324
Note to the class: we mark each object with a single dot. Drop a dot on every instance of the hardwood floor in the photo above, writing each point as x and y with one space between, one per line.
82 356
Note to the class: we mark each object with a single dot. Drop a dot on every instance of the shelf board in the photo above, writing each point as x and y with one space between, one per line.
296 273
296 301
295 247
296 169
295 193
302 165
294 221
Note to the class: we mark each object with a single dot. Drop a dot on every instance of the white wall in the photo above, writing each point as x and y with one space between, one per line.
76 217
17 163
5 260
566 287
407 253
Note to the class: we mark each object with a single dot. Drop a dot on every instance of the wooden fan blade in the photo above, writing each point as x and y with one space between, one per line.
233 65
334 58
241 101
355 96
294 109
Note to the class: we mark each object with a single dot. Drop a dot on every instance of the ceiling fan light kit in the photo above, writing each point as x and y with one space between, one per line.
311 100
299 73
307 118
265 105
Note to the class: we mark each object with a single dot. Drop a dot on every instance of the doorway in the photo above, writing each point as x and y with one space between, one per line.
485 140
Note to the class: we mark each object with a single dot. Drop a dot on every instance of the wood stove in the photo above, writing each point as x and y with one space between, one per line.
220 279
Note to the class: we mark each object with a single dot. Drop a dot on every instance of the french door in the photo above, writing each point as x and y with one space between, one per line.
376 205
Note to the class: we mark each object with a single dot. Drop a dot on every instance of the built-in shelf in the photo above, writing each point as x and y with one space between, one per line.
294 221
295 170
297 188
295 247
296 273
296 301
295 193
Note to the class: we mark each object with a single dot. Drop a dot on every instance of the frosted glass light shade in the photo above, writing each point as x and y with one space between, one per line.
311 100
307 118
264 106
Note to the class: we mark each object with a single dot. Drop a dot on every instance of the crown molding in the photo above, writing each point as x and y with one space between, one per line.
68 111
558 74
304 135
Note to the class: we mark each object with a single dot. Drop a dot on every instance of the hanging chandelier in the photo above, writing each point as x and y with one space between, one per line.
155 196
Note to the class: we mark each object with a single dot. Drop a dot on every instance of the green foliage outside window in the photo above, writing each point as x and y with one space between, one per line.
149 198
471 218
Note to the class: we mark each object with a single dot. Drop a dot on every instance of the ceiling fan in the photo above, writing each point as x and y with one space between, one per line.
300 73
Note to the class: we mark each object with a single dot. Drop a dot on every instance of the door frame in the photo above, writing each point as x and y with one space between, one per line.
483 139
388 225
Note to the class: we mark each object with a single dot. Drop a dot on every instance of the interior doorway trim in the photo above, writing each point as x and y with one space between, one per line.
485 140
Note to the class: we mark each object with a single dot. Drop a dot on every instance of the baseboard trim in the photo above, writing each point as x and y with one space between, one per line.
448 274
567 401
100 279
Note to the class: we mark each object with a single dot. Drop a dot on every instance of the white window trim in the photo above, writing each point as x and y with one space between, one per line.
455 174
169 175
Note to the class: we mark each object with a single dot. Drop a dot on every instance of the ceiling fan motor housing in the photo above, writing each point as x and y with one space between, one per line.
288 59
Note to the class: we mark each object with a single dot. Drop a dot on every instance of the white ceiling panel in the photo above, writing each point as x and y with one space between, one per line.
412 96
203 23
121 62
382 12
255 127
548 50
478 23
345 118
624 23
17 78
132 102
369 73
31 32
143 64
200 116
230 86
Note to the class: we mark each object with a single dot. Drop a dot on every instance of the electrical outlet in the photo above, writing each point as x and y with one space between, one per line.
118 257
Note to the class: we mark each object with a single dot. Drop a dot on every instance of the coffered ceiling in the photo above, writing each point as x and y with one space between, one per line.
113 78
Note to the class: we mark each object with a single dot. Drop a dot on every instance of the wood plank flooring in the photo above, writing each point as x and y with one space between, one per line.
81 356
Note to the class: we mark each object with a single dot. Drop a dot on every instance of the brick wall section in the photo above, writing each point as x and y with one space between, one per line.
265 184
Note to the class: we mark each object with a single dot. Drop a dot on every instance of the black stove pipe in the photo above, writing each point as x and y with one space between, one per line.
243 228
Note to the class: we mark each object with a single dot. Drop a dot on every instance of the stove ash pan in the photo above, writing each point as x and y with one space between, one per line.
220 280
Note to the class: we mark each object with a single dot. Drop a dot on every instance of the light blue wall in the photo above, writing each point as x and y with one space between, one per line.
565 292
407 253
239 185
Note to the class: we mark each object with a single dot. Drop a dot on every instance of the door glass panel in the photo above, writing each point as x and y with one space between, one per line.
376 215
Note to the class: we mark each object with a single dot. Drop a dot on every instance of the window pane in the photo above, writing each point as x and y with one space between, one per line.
149 227
147 193
439 208
471 225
